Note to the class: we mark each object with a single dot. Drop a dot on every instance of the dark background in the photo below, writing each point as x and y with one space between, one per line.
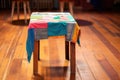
93 4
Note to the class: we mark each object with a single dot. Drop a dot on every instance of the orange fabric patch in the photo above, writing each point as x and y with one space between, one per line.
75 33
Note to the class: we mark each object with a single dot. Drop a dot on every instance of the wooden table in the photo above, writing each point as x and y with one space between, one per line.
64 23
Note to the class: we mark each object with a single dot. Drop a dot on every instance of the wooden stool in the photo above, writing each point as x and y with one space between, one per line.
25 5
70 2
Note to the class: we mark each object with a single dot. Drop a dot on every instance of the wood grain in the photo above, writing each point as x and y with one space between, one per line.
98 58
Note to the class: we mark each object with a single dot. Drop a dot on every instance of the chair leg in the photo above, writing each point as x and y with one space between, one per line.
25 14
71 7
13 6
28 6
18 9
62 6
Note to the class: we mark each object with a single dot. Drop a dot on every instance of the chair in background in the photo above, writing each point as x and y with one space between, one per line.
70 3
25 4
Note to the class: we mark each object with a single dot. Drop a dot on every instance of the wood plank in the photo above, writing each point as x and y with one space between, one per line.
21 46
107 67
14 69
8 58
88 54
100 49
82 66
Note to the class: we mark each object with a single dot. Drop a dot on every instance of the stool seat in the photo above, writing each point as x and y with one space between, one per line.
70 2
25 5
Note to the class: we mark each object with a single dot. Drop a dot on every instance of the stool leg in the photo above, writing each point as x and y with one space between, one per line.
35 58
61 6
18 9
71 7
28 6
13 6
25 14
38 50
67 50
73 58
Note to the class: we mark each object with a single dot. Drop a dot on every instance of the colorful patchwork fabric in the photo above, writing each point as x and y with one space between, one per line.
43 25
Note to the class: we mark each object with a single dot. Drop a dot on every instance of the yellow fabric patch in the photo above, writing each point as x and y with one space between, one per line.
75 33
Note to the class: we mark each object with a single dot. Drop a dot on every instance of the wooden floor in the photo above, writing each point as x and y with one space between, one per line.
98 58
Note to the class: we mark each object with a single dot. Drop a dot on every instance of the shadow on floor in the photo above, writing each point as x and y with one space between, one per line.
20 22
83 22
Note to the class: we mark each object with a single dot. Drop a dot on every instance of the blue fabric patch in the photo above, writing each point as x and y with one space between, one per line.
30 43
57 28
78 41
